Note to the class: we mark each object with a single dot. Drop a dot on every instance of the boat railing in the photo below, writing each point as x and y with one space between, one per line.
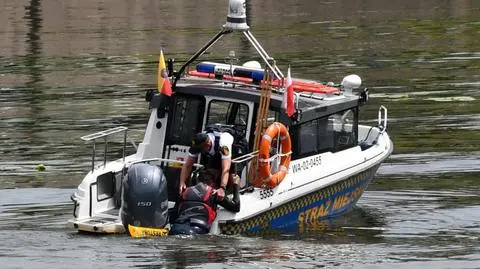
104 134
382 118
252 158
382 127
163 160
276 89
245 158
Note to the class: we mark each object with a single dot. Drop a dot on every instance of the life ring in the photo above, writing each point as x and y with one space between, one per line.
265 177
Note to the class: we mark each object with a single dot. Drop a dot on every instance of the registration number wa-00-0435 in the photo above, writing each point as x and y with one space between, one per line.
306 164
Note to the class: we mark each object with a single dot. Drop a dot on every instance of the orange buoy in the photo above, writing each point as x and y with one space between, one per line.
298 86
200 74
265 177
223 77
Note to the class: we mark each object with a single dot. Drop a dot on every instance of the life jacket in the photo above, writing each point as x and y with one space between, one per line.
213 161
240 145
197 206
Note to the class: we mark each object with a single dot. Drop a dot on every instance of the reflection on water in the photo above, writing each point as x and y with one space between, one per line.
71 68
401 229
33 15
432 163
74 68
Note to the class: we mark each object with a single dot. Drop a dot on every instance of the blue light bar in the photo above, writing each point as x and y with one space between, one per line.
255 74
206 67
239 71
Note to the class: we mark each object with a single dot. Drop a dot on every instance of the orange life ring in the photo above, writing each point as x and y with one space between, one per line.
265 178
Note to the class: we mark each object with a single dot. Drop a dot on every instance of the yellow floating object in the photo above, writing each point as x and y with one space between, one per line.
40 167
136 231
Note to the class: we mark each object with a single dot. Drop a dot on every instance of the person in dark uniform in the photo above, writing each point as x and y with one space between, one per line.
197 207
216 153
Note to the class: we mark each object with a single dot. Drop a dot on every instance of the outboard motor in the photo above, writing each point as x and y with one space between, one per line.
144 197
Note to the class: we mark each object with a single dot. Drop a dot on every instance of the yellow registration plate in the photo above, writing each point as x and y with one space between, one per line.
136 231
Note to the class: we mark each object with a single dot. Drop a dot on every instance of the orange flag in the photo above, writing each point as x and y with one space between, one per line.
163 84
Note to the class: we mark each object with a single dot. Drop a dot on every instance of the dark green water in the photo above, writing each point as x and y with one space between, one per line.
70 68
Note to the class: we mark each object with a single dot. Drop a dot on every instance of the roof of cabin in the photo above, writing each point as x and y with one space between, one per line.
312 106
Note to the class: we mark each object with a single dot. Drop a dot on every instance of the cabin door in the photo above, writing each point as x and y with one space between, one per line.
185 120
230 112
189 115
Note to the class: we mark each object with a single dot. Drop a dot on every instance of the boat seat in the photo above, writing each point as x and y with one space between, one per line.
343 140
364 145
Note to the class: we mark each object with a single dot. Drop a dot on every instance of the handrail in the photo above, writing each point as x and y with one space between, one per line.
382 127
104 134
245 157
273 157
164 160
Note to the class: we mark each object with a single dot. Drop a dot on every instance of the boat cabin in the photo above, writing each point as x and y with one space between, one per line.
323 123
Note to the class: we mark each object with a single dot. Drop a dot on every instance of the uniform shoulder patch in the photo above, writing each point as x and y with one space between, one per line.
224 150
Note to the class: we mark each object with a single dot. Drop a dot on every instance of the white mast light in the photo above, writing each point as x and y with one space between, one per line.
237 16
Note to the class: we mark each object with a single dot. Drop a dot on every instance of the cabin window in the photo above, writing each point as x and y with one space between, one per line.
231 113
344 129
272 117
186 120
310 138
333 133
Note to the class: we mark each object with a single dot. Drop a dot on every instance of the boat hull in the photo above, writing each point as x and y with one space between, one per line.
328 202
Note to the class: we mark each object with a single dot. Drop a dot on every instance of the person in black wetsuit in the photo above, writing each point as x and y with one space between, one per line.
197 207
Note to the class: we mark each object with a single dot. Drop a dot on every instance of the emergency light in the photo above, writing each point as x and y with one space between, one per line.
219 69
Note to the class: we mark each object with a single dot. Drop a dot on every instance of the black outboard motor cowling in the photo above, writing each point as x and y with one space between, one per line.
144 197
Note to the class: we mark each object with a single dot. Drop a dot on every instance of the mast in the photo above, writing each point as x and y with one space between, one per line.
236 22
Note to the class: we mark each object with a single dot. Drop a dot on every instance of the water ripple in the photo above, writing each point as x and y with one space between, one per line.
431 163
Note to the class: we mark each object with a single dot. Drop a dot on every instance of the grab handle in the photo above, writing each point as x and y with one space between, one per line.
382 118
